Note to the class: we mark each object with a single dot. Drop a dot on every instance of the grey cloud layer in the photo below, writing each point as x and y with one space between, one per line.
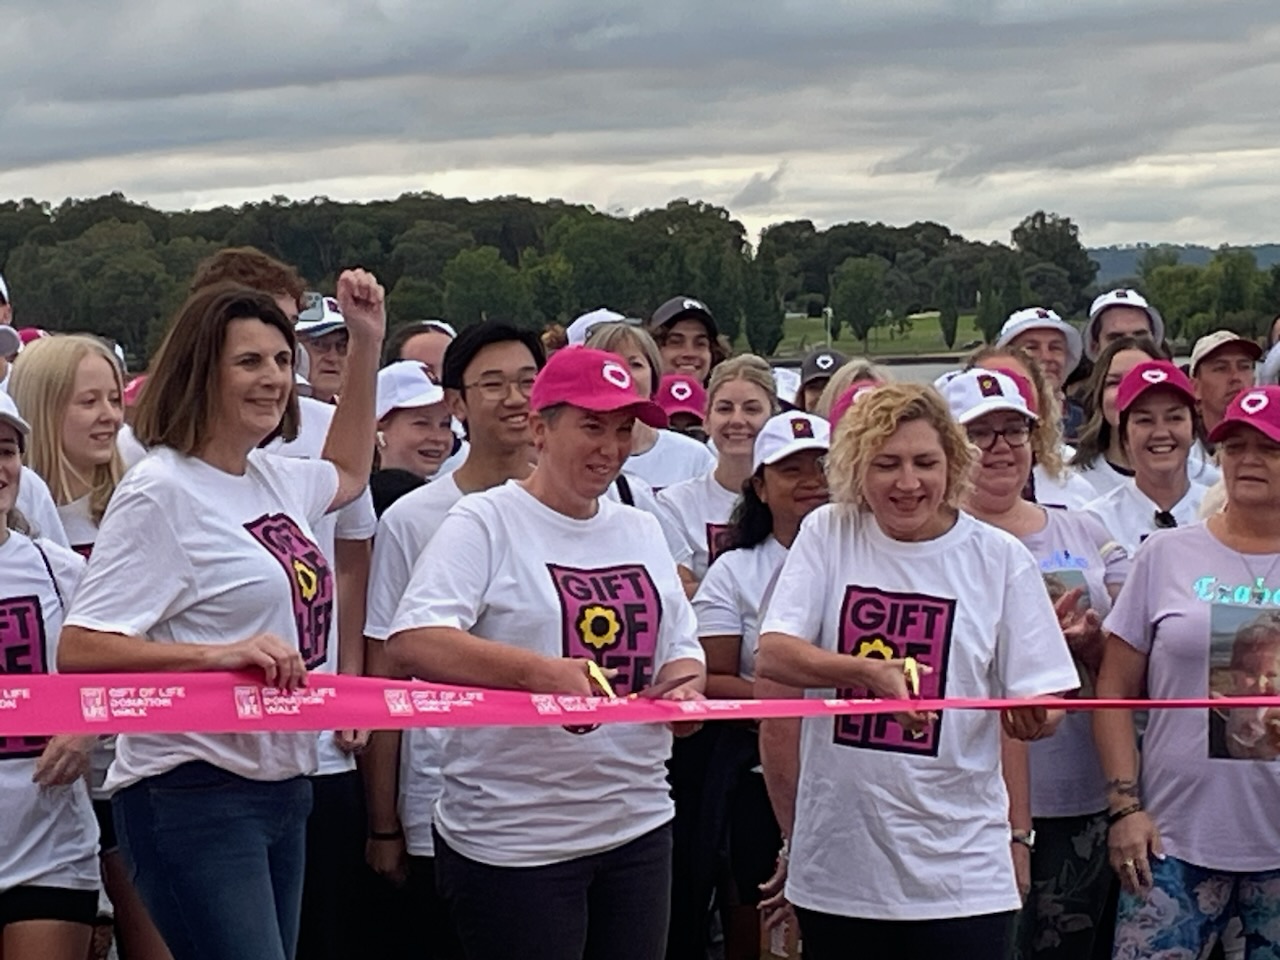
852 99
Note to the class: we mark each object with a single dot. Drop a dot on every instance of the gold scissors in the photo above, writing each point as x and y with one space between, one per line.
911 670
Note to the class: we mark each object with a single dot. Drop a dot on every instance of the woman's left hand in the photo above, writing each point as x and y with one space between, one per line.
64 760
1031 722
363 304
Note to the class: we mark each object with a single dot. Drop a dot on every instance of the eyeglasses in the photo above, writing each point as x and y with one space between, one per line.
1165 520
984 438
323 345
499 387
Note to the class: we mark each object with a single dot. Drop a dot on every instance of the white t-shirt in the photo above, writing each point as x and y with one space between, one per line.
403 534
78 523
48 835
35 503
1070 491
644 499
355 521
1074 550
730 598
1102 476
520 573
886 826
700 509
1129 515
673 459
1202 468
131 451
190 554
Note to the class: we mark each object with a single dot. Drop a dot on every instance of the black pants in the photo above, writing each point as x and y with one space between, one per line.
829 937
410 922
607 906
336 885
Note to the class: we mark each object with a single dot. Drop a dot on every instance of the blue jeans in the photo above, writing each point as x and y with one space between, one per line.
217 859
1188 907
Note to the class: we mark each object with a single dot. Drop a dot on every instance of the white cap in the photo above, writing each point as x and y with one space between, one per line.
975 393
787 380
10 342
941 383
1270 372
404 385
9 414
321 316
4 290
789 433
440 326
1040 318
1213 342
578 331
1120 298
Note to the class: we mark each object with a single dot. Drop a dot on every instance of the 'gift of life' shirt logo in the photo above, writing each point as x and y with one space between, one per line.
23 651
310 582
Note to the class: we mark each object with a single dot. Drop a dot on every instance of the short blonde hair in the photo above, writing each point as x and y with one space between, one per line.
1046 432
746 367
867 427
620 337
850 372
44 378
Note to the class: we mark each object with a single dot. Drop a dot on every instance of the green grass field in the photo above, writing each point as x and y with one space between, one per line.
802 334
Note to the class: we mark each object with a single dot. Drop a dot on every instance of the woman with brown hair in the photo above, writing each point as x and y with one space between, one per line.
207 560
898 835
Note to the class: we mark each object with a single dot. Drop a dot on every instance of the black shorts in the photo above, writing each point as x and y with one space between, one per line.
19 904
107 842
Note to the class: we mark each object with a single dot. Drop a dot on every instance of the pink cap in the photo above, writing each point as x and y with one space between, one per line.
1150 375
27 334
1258 408
1026 388
843 402
681 393
133 390
594 380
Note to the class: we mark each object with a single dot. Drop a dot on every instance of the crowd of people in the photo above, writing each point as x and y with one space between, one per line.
625 507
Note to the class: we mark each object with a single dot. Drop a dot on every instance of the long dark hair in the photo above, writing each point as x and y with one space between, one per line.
1095 438
752 521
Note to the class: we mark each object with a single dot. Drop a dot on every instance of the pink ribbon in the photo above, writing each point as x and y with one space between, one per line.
36 705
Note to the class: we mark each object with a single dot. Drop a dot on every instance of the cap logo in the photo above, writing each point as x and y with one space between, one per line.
801 428
617 375
693 305
681 391
1155 376
1120 294
331 304
1042 314
1254 403
989 386
825 362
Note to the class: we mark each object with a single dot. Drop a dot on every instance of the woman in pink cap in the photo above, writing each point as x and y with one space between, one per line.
555 842
1194 836
1157 426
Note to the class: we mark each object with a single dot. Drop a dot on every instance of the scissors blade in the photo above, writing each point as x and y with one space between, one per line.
660 690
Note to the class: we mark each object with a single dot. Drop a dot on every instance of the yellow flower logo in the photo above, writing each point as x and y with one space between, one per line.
875 647
308 582
599 627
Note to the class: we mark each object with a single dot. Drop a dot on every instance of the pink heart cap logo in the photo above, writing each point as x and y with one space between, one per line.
617 375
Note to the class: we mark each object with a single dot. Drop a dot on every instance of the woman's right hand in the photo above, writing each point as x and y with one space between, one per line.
387 858
567 675
888 679
281 664
1131 842
774 907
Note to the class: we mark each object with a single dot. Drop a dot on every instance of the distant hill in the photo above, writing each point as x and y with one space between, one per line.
1115 263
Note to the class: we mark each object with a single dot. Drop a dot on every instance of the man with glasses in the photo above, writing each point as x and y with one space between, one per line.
323 334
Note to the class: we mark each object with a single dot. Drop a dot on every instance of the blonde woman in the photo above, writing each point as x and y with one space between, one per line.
660 458
70 388
899 840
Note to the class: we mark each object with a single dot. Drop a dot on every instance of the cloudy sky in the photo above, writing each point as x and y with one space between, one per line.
1141 119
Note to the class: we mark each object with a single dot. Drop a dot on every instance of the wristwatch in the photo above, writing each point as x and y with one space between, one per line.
1025 837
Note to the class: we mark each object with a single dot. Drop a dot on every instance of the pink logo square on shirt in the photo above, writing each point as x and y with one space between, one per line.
719 539
22 651
881 623
310 582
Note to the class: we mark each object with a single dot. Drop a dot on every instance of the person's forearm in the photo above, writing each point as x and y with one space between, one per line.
351 438
380 767
447 655
94 651
1015 765
1113 730
725 686
352 559
794 662
780 757
683 667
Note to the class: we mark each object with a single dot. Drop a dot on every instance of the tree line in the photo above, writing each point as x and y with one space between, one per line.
120 268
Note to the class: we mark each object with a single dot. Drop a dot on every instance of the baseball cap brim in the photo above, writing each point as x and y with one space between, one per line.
795 446
993 405
1075 342
428 398
683 406
646 411
318 328
1250 347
